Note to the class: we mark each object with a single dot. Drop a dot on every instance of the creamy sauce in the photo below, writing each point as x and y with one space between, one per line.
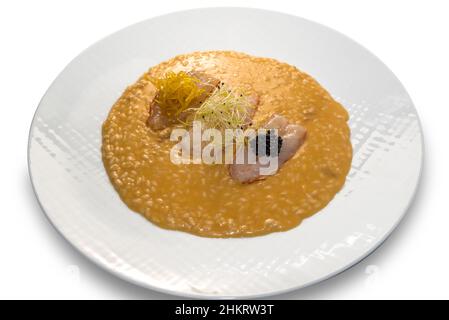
203 199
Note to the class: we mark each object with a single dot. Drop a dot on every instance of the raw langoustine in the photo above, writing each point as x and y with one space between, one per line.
290 138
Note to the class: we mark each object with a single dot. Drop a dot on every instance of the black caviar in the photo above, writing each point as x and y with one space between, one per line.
268 140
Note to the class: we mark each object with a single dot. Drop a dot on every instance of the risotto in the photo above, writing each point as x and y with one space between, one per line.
204 199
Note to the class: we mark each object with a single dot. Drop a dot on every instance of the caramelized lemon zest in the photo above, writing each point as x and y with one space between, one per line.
176 91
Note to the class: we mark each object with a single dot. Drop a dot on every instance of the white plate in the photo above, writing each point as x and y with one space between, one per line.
69 179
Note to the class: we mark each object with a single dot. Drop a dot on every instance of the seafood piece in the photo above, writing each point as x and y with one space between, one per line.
290 138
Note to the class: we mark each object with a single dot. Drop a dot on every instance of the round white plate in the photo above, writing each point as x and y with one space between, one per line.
71 184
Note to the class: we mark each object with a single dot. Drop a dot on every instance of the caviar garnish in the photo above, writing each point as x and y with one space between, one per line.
264 144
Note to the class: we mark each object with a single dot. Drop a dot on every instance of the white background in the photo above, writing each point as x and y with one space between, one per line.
38 38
